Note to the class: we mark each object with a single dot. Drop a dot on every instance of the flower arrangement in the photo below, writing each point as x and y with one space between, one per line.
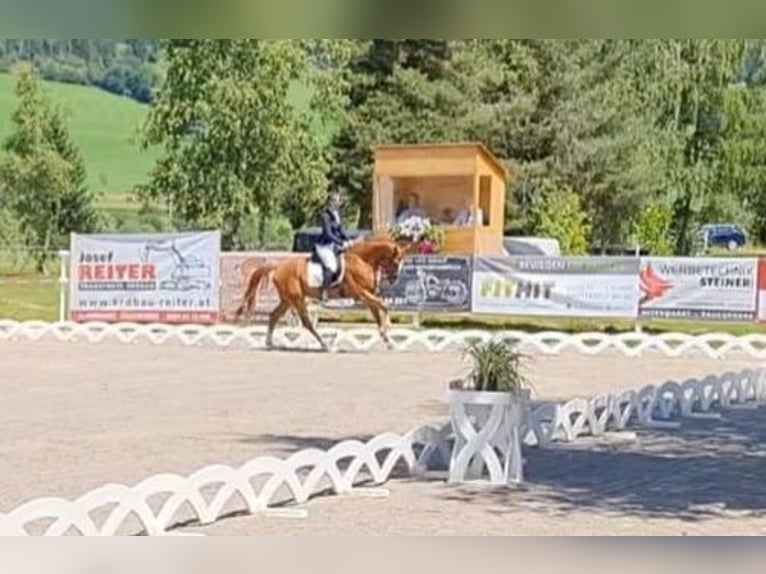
419 231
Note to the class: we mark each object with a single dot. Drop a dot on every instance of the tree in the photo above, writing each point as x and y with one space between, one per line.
126 67
77 207
627 123
399 91
42 176
567 111
605 142
688 83
652 229
521 84
560 215
741 174
234 145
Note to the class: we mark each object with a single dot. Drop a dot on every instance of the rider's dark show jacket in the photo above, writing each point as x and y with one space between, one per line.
332 230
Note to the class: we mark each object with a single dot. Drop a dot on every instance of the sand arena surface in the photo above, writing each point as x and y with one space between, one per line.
76 416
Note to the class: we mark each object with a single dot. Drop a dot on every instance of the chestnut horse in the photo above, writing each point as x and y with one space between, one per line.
362 264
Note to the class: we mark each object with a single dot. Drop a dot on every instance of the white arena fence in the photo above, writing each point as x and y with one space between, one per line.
632 344
273 486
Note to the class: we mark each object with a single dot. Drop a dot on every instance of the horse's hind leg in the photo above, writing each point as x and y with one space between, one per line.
274 318
303 314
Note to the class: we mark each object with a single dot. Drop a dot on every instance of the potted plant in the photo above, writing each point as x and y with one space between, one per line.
487 409
496 368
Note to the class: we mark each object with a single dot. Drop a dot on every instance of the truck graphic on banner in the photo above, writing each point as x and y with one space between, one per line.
189 272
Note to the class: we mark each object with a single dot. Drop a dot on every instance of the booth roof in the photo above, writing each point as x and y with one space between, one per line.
472 146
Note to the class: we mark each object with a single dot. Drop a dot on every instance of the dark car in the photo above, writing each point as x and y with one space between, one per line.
305 239
728 235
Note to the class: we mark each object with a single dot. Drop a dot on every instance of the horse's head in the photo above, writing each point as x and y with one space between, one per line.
392 264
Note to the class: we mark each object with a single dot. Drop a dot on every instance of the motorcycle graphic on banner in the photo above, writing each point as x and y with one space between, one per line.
426 283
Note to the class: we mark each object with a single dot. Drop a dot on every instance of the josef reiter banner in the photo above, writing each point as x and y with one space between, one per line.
165 278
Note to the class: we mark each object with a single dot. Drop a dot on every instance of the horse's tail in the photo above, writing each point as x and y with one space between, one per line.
253 282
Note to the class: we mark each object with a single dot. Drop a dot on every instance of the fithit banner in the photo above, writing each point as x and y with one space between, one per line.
556 286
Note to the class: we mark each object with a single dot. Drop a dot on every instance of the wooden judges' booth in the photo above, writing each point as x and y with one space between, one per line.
458 186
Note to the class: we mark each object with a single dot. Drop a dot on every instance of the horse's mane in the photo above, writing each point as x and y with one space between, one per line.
373 247
372 243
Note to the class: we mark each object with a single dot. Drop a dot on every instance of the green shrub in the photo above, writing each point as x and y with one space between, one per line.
652 229
560 214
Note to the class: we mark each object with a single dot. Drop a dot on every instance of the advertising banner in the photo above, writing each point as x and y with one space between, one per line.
761 315
556 286
143 278
426 283
705 288
235 270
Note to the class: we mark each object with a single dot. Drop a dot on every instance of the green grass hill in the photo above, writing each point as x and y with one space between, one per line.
103 126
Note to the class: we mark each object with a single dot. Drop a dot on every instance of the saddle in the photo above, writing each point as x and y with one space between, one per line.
315 271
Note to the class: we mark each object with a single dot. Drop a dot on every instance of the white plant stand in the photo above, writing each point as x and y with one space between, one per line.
485 424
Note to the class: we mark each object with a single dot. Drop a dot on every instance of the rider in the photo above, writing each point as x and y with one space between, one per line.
332 241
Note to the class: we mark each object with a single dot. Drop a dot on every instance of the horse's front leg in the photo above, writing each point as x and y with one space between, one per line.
379 311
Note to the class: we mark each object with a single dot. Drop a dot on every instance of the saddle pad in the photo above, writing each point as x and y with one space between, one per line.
315 273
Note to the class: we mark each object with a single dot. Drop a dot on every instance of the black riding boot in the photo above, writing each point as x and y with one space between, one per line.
326 280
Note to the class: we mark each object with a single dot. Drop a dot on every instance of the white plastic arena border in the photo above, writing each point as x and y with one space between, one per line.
661 406
664 405
274 486
631 344
157 502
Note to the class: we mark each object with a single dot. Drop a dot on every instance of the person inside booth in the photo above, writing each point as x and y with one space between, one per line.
466 215
411 208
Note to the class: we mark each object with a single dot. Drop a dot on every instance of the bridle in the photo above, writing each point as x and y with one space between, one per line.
391 267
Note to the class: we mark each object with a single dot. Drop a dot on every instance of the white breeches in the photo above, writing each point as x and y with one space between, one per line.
328 258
